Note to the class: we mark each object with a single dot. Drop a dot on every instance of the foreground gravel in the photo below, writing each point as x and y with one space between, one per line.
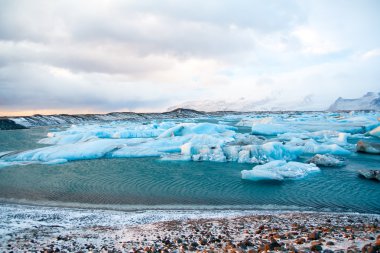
192 231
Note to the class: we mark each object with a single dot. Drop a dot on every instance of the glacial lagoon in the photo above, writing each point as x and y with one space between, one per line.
192 163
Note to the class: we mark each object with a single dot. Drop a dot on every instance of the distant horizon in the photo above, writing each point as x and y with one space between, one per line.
48 113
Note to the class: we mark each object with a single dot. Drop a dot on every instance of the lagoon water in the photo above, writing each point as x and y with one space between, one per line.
150 183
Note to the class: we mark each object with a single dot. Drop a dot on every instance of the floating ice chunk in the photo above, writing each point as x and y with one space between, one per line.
309 135
202 147
333 149
244 156
250 121
326 161
246 139
194 141
375 132
200 128
136 151
277 151
232 152
6 164
273 129
341 139
79 151
370 174
368 147
56 161
174 131
210 154
66 139
279 170
150 147
5 153
262 153
76 134
289 136
176 157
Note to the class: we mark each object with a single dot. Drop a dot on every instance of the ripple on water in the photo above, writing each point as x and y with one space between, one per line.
149 181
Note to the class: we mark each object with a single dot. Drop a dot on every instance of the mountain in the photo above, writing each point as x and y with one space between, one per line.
8 123
370 101
247 105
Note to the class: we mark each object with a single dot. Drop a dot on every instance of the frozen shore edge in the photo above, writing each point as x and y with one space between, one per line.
28 227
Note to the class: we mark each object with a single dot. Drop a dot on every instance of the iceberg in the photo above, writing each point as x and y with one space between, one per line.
368 147
83 133
277 137
311 147
79 151
279 170
198 128
273 129
375 132
326 161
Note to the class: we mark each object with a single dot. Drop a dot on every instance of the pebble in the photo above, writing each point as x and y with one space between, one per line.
294 232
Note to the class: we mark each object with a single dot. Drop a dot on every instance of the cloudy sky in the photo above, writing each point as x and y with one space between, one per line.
109 55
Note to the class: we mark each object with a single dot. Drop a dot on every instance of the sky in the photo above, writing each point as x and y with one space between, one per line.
98 56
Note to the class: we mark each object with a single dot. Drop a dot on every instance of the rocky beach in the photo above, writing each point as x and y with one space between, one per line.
48 229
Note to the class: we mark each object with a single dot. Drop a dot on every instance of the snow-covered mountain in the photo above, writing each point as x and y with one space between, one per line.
20 122
247 105
370 101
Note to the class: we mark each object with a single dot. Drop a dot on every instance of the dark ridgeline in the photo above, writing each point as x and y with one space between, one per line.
22 122
7 124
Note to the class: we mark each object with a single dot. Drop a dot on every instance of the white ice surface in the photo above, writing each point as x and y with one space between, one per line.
279 170
375 132
326 161
295 135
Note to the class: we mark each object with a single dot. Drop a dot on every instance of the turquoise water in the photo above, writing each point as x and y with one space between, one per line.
152 183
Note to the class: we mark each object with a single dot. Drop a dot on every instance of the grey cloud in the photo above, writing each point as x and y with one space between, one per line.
133 54
268 17
178 28
41 90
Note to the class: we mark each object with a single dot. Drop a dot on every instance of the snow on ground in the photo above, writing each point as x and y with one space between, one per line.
48 229
273 137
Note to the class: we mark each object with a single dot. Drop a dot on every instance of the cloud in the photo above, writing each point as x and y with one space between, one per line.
148 55
374 53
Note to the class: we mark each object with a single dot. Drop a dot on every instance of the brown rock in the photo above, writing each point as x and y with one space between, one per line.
378 241
314 235
300 240
316 248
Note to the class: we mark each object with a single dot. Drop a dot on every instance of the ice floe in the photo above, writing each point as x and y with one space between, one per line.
326 161
273 136
279 170
375 132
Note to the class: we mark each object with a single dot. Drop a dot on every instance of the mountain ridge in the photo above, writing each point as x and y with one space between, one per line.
370 101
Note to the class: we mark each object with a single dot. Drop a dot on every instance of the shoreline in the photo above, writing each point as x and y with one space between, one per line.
25 227
176 207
